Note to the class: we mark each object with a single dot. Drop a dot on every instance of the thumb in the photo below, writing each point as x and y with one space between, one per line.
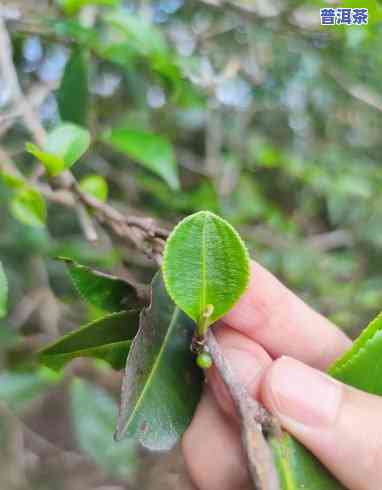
342 426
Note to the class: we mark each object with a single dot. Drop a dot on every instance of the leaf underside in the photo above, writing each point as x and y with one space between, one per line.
161 385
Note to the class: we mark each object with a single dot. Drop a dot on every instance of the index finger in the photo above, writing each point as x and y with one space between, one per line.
283 324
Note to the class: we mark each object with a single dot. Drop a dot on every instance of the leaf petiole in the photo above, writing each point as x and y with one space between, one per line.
204 320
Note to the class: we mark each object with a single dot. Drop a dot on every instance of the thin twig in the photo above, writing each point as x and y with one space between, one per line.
255 422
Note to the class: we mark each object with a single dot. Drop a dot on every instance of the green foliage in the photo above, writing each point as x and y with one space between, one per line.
108 338
3 292
19 389
141 35
361 365
298 468
205 263
153 151
28 206
73 94
103 290
72 7
96 186
94 414
12 180
64 146
162 384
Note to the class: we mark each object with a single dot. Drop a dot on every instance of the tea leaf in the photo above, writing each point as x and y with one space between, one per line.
205 263
28 206
107 338
96 186
64 146
361 365
103 290
73 94
151 150
162 383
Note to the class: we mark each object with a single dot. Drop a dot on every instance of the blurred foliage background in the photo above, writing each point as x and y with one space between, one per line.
249 109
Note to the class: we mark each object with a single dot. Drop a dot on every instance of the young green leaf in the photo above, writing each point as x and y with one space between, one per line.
94 414
72 7
73 94
141 35
162 383
12 181
3 292
107 338
96 186
28 206
151 150
361 365
64 146
105 291
205 264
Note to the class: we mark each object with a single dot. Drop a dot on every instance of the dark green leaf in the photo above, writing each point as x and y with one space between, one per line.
361 366
64 146
3 292
103 290
162 383
205 263
28 206
153 151
96 186
94 414
73 95
108 338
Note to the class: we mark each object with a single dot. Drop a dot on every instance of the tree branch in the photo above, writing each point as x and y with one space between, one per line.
256 423
143 233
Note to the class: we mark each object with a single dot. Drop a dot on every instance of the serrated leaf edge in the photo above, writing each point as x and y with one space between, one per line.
359 346
165 257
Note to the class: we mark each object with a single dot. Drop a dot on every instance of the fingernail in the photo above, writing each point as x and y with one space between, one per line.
304 394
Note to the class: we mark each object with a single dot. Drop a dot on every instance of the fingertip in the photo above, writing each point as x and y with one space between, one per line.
212 449
248 361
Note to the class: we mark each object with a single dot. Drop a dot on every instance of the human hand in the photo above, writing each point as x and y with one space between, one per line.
342 426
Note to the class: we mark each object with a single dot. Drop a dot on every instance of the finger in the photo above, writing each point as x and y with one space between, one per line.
248 361
342 426
212 450
283 324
